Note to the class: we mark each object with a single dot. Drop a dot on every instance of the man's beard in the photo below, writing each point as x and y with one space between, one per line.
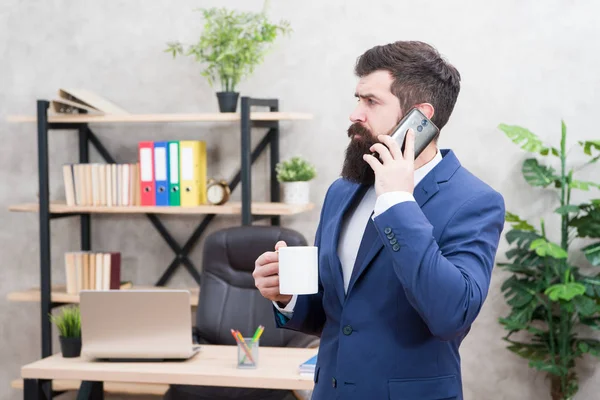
356 169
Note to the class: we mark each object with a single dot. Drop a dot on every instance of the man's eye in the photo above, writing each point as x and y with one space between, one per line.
371 102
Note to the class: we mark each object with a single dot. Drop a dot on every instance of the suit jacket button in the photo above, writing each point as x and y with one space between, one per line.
394 241
333 382
347 330
390 235
396 247
387 230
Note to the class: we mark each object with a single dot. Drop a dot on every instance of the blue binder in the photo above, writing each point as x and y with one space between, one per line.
161 173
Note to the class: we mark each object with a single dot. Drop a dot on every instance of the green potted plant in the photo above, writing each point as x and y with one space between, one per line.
230 47
294 176
553 290
69 328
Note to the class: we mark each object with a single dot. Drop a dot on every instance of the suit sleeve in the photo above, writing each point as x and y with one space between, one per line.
448 282
308 314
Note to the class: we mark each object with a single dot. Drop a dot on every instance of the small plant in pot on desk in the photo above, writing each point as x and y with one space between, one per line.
231 45
69 328
294 176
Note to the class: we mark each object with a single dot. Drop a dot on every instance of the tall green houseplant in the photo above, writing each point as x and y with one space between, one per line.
232 44
552 298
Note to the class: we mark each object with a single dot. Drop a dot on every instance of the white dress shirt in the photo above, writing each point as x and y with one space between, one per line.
354 226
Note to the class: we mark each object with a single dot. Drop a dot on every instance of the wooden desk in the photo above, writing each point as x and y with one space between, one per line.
212 366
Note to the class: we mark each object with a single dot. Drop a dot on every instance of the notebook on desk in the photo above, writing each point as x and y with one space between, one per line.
136 325
308 367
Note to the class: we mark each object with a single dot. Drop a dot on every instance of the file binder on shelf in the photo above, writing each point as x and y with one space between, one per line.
147 183
161 168
192 155
174 195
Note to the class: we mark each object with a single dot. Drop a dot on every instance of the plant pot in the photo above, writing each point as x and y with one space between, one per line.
296 192
227 101
70 346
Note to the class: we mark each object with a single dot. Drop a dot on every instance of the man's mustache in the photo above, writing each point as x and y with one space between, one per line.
356 129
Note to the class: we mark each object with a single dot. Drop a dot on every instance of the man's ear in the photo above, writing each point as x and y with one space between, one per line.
426 109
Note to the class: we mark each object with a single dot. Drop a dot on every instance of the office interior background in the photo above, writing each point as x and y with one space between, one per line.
526 63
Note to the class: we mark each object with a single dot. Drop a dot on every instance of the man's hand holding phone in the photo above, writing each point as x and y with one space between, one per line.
395 171
266 276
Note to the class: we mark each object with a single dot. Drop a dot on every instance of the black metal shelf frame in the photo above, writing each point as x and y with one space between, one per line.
87 137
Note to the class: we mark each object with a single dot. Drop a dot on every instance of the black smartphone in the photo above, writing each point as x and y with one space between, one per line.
425 130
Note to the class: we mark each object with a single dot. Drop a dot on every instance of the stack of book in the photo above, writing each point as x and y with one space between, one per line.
101 184
76 101
87 270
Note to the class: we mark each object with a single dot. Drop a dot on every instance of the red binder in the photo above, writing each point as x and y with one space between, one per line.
147 183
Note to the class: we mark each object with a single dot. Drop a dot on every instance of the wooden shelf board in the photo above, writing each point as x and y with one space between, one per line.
59 295
109 387
196 117
231 208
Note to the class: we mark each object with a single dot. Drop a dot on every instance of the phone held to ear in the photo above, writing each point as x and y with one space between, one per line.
425 130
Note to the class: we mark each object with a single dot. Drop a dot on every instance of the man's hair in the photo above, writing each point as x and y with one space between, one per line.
420 75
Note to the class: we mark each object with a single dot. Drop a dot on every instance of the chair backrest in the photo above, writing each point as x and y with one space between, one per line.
228 295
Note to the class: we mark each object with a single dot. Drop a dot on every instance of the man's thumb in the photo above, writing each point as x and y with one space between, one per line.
280 244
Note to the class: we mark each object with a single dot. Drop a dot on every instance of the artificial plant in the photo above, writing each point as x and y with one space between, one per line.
231 44
551 292
296 169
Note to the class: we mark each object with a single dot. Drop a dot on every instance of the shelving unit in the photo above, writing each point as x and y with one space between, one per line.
51 296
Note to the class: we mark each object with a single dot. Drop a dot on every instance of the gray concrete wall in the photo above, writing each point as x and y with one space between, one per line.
522 62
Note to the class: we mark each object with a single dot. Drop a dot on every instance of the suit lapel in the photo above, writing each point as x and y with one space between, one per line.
371 243
353 192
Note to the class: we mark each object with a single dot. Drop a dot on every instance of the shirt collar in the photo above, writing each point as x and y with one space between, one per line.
422 171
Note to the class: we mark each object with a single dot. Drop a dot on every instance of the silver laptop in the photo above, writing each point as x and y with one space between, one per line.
124 325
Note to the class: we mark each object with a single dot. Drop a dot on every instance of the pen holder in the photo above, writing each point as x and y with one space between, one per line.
247 353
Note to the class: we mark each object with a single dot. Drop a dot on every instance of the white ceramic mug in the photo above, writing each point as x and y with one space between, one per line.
298 270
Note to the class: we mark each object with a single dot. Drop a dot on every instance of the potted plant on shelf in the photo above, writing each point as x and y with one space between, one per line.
554 295
294 176
230 47
69 328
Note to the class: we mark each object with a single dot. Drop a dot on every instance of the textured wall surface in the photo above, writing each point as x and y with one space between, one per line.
522 62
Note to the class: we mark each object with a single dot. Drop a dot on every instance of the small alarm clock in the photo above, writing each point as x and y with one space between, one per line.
217 192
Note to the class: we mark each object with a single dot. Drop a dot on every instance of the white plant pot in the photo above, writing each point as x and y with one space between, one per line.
296 192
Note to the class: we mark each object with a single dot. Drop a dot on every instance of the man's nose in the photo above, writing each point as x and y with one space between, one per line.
358 115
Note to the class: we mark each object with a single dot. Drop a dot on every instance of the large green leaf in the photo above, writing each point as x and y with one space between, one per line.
546 366
564 291
532 352
564 210
589 346
582 185
526 139
519 292
588 225
518 223
524 257
592 253
592 285
593 323
538 175
589 145
547 249
521 238
585 306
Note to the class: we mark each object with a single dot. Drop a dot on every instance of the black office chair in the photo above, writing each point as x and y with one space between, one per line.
229 299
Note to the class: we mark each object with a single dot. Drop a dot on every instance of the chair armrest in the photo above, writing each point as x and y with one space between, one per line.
304 341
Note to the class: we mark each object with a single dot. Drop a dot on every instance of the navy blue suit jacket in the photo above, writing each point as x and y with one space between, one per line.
414 292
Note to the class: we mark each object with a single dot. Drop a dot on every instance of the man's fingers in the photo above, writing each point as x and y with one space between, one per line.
409 146
268 269
383 152
266 258
280 244
392 145
268 283
373 162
